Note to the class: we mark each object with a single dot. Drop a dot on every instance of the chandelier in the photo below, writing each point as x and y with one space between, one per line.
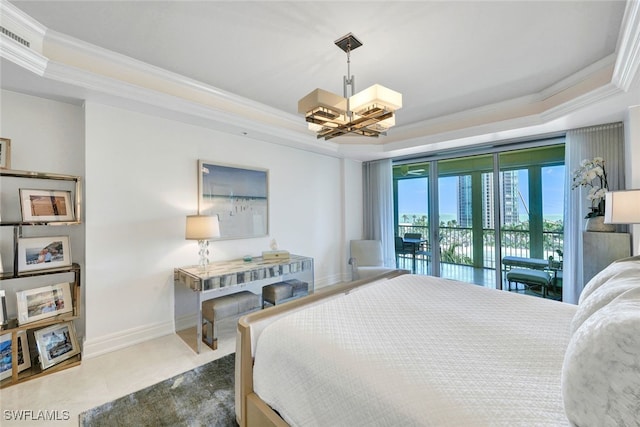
366 113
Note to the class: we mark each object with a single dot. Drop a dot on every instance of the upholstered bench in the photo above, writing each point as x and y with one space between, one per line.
300 288
275 293
529 277
280 292
516 261
220 308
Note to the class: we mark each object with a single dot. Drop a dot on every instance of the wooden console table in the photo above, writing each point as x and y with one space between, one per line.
228 277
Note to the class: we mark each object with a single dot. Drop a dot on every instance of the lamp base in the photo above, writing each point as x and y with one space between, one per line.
203 252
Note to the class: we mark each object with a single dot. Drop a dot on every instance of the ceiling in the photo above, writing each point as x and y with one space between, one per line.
470 71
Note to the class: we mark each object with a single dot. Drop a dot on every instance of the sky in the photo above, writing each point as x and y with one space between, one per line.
415 192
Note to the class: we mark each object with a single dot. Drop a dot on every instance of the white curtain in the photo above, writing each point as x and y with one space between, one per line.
377 183
606 141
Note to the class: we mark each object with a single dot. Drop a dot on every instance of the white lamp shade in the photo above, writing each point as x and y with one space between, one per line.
314 127
375 95
322 98
622 207
383 125
202 227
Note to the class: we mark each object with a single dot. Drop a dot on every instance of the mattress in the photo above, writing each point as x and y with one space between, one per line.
417 350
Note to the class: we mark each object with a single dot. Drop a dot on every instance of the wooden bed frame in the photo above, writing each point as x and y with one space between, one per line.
250 409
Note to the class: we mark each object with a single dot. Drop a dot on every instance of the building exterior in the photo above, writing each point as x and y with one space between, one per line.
510 196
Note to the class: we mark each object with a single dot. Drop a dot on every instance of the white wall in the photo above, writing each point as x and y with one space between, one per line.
141 182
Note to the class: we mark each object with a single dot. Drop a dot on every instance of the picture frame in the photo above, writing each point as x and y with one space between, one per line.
6 354
56 343
46 205
44 302
238 195
43 253
3 308
5 153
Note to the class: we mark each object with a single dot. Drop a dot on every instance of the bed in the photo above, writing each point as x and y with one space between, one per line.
416 350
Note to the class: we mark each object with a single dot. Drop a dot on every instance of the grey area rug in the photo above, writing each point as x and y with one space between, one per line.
203 396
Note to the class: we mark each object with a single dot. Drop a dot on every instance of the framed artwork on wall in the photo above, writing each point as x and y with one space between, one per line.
5 153
40 303
238 196
46 205
6 354
42 253
56 343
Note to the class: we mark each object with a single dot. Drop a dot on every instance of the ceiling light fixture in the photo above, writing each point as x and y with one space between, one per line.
367 113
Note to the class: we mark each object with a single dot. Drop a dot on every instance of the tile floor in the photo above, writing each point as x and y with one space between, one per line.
104 378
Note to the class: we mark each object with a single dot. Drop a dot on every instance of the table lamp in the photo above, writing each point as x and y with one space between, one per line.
202 228
622 207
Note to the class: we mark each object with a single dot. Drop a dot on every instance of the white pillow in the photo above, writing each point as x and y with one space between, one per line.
631 265
601 370
603 295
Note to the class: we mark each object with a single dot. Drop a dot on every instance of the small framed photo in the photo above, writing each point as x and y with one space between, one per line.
6 354
56 343
41 253
5 153
41 303
46 205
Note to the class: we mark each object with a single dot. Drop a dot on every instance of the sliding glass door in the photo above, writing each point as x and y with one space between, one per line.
465 207
472 211
411 193
532 225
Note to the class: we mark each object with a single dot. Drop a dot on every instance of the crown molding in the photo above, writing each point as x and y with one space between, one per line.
134 97
22 24
22 56
13 14
604 65
99 70
188 96
628 50
577 103
105 76
69 50
490 121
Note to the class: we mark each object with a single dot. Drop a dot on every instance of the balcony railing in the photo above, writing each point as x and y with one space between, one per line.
456 244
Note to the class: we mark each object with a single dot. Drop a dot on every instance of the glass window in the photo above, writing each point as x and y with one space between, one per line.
529 206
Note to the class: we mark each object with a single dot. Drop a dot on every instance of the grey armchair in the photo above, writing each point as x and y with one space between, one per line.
367 259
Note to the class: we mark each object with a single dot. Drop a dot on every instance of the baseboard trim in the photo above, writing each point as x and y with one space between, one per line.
112 342
116 341
187 321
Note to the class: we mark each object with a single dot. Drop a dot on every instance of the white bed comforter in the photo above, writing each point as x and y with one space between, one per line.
417 350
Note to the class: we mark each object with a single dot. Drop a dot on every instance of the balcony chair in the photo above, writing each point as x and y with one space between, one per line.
402 249
367 259
420 250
